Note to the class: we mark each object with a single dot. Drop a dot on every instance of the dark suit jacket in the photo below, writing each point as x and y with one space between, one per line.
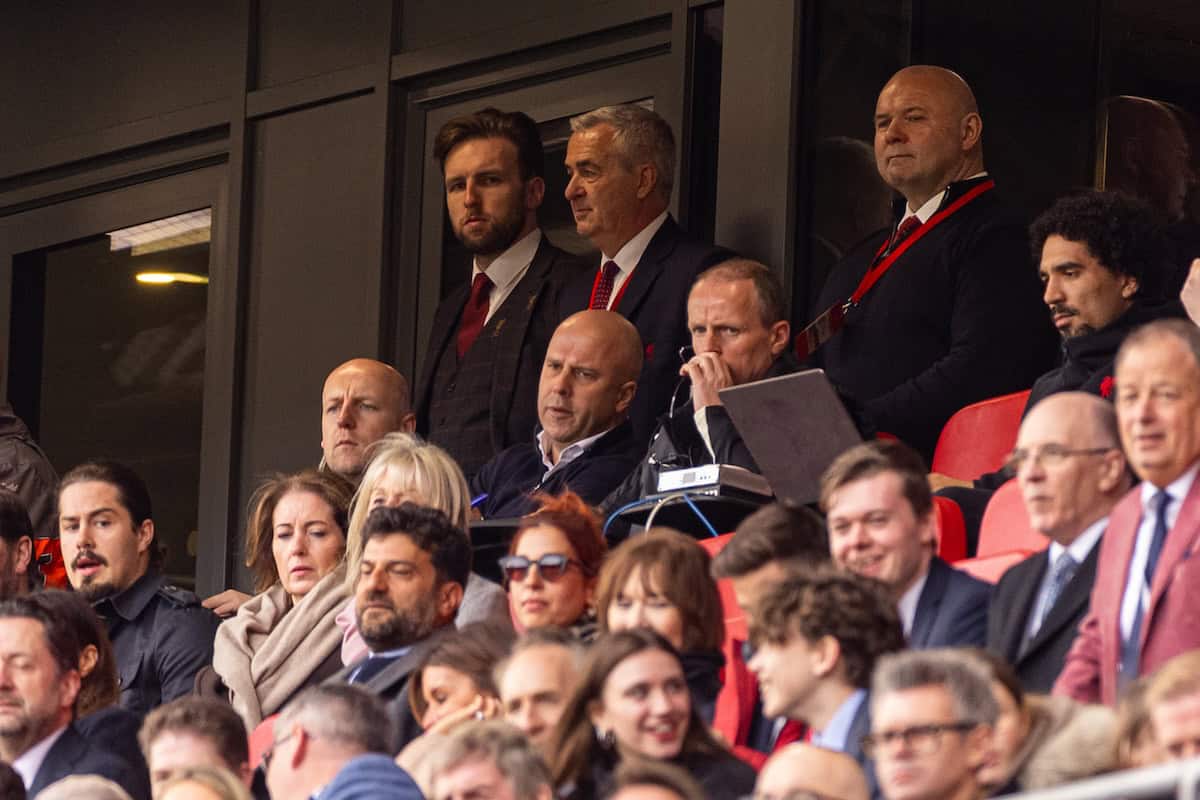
391 684
859 728
1170 625
1038 663
72 754
532 310
655 301
952 609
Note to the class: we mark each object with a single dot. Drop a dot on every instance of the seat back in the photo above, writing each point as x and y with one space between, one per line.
951 529
1005 525
735 618
261 739
990 568
978 438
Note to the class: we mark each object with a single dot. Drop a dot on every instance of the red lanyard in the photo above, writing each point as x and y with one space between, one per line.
879 268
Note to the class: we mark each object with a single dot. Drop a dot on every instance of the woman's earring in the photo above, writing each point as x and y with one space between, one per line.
607 739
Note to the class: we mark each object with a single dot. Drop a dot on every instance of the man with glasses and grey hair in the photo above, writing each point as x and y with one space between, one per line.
1071 472
621 168
334 742
932 715
489 759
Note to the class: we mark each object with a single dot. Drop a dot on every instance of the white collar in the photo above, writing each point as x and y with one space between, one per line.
1081 548
510 265
631 252
28 763
569 453
934 203
908 602
1178 489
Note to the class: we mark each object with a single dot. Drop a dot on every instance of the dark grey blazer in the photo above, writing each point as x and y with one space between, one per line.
391 683
1038 661
72 754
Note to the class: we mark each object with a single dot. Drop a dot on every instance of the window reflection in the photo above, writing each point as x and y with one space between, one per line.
103 364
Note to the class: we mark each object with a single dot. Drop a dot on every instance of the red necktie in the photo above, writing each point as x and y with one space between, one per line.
475 313
907 226
604 287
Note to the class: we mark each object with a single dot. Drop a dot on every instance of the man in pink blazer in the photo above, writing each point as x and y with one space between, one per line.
1145 605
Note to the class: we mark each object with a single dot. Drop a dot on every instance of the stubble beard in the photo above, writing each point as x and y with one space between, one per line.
401 628
501 236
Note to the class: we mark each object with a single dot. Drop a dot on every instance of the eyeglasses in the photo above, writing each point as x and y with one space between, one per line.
922 740
270 751
1052 455
551 566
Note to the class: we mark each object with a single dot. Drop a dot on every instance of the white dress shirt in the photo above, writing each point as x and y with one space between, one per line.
569 453
932 204
630 254
508 269
28 763
1079 549
1137 591
908 603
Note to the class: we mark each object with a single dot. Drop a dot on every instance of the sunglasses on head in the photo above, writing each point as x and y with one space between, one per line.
551 567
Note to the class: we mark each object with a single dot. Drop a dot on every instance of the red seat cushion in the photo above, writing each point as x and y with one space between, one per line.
978 438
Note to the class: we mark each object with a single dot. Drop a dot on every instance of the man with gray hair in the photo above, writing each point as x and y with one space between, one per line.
621 168
335 742
932 715
489 759
535 682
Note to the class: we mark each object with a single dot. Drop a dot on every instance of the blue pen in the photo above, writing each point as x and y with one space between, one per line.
475 501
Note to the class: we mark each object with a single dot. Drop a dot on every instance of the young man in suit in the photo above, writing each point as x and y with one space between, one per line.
39 684
1071 471
881 525
621 165
1146 590
478 387
415 564
816 639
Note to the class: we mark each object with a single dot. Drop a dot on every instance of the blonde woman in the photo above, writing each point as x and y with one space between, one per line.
405 468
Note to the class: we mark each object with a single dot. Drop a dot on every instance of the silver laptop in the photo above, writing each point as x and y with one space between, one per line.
794 426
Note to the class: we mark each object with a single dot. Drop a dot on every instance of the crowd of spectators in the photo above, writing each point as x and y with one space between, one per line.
825 651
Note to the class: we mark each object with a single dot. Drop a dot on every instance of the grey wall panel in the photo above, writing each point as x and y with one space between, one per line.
314 275
72 68
302 38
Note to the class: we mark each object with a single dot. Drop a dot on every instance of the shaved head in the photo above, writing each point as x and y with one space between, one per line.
928 132
362 400
589 377
805 768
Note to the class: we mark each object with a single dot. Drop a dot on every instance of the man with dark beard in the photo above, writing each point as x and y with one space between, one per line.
415 564
478 389
161 634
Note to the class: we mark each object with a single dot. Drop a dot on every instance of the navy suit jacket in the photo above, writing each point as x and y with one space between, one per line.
952 609
1038 661
655 301
72 754
859 728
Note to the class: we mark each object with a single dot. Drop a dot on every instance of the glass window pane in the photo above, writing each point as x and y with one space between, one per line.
107 360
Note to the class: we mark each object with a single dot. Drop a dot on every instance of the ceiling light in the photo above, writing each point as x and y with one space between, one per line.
171 277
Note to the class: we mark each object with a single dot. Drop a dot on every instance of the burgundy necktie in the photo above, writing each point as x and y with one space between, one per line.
907 226
604 288
475 313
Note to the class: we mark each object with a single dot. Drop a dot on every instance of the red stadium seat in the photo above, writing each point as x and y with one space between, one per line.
261 739
1005 525
47 553
735 619
951 530
990 568
978 438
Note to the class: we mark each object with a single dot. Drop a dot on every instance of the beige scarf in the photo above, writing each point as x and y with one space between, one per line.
271 649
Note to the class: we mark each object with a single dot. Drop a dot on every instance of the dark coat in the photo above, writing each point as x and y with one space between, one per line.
531 314
26 472
952 609
1038 661
391 684
72 754
722 777
655 301
161 636
678 444
512 477
957 319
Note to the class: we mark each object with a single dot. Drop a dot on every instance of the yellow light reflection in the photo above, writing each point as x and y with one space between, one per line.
171 277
